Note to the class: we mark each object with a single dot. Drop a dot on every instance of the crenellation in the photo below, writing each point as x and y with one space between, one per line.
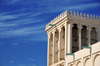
58 17
71 13
74 14
77 14
96 17
87 16
55 19
64 13
81 15
84 15
67 12
91 16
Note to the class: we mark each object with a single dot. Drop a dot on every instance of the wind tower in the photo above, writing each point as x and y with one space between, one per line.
67 34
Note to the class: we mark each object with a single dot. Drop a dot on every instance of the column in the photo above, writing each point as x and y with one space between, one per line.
98 33
59 44
66 36
89 36
48 49
53 46
79 32
69 46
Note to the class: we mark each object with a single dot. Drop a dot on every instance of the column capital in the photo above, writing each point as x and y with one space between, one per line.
97 28
89 28
49 36
79 26
71 24
60 30
54 32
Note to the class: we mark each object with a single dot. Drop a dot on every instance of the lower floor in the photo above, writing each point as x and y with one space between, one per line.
84 57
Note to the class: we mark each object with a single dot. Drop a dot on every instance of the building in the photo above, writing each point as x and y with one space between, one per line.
73 40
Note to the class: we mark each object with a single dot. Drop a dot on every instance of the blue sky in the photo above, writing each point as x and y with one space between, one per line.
23 40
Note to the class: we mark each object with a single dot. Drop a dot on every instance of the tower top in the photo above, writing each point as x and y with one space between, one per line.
69 14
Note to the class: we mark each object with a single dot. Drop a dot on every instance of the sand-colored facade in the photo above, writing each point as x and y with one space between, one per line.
71 32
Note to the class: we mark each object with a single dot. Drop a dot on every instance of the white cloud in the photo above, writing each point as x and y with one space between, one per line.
21 65
30 64
72 7
13 1
5 17
6 25
34 65
11 62
84 6
30 59
15 44
22 31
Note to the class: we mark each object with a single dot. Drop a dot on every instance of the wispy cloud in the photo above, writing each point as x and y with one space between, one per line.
22 31
6 25
21 65
10 23
13 1
30 59
34 65
72 7
15 44
26 64
84 6
5 17
11 62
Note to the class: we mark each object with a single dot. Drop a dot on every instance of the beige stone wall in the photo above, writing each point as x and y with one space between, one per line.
65 38
83 58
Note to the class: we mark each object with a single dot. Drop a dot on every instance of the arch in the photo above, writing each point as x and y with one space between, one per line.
62 43
93 36
50 49
96 60
75 38
84 36
87 62
56 46
78 63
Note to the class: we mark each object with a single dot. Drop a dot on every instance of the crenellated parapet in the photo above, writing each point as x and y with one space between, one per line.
80 15
59 17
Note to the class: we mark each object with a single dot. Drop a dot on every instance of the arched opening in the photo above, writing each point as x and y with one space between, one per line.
93 36
97 60
79 64
56 46
87 62
84 36
62 45
75 38
51 49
